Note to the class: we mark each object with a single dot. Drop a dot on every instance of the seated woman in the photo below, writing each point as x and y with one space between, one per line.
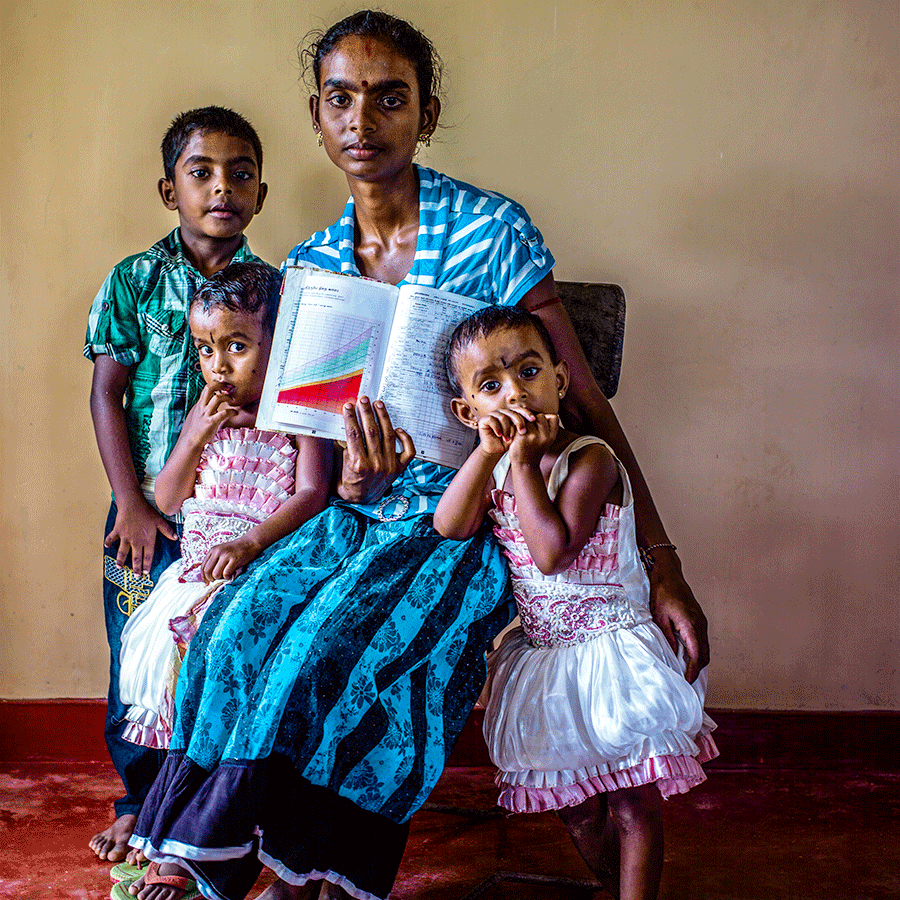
326 687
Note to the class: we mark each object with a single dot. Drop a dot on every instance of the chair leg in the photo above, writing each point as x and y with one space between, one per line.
467 812
514 877
524 878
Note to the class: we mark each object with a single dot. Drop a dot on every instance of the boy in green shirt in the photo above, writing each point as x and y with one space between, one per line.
146 377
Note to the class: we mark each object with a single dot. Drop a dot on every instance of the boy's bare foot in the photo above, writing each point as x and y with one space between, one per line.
163 881
112 844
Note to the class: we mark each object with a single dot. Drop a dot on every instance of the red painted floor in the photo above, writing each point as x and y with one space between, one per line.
741 836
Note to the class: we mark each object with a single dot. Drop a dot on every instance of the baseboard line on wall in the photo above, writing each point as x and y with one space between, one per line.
67 730
71 730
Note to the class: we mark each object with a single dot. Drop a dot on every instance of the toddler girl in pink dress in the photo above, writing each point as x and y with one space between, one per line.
587 708
239 489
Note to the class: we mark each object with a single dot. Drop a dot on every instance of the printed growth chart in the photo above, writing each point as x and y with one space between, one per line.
325 379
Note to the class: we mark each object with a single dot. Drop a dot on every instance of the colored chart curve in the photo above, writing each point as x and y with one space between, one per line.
329 381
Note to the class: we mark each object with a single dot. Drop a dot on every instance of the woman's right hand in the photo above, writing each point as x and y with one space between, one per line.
371 462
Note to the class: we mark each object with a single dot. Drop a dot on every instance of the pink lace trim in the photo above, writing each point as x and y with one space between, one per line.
672 775
135 733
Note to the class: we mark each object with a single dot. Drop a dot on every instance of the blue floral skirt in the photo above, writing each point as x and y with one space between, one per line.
319 701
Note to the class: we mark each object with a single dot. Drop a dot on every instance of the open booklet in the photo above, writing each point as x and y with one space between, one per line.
339 337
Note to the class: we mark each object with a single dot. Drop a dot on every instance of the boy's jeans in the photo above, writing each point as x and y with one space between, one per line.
122 593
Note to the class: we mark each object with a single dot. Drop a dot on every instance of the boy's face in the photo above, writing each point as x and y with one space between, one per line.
234 351
216 189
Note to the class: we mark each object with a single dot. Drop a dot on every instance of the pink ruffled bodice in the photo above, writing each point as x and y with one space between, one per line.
576 605
244 475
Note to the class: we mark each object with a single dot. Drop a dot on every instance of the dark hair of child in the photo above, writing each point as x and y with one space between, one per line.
242 287
485 322
376 24
206 119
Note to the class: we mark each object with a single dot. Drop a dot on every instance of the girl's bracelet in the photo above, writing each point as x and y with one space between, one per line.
646 553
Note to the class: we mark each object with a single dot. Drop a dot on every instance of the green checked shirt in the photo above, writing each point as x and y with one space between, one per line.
139 318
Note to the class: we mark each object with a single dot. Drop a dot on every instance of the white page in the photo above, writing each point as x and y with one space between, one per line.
414 386
329 346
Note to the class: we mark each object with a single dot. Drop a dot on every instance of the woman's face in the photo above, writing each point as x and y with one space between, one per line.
368 109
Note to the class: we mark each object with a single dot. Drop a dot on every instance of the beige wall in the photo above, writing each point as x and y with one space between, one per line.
732 164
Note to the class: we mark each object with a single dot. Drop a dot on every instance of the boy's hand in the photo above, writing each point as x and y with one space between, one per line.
228 560
208 415
531 442
135 529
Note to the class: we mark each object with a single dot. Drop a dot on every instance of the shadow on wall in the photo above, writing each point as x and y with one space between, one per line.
766 386
774 218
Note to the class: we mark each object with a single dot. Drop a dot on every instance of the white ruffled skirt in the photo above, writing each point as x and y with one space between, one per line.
564 723
149 656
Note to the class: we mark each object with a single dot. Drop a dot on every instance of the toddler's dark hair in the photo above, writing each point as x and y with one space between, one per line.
242 287
376 24
485 322
206 119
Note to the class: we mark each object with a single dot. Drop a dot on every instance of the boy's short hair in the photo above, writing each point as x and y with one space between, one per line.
484 322
242 287
206 119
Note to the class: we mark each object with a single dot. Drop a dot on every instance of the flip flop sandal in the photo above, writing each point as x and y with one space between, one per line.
120 890
125 871
186 885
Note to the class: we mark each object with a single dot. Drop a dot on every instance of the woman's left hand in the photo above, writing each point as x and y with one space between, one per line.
371 462
678 614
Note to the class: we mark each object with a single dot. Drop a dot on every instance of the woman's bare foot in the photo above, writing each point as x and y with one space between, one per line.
149 886
281 890
112 844
332 892
136 858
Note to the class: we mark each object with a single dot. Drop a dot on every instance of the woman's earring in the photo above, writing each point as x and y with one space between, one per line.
319 138
425 138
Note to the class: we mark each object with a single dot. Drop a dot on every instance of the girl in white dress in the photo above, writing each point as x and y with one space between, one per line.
587 709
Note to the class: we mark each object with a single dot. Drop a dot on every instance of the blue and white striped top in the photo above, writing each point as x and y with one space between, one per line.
471 242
